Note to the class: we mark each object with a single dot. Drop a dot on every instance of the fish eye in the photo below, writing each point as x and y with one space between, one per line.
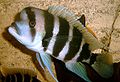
32 23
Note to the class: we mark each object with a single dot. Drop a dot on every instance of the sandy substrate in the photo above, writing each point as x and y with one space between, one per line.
103 16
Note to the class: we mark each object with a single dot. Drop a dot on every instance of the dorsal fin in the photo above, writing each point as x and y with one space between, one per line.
63 12
82 20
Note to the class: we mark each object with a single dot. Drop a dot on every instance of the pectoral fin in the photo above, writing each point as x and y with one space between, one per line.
40 60
46 59
79 69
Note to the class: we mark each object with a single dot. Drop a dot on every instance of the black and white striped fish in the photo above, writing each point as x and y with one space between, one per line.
17 75
55 32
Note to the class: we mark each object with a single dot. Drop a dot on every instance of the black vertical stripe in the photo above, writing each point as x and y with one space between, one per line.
12 78
2 78
19 77
7 78
27 78
85 53
62 36
74 44
32 20
31 16
49 25
93 58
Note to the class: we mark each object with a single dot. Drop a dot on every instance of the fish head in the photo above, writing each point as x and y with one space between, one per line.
28 28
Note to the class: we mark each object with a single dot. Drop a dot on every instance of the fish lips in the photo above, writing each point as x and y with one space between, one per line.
15 27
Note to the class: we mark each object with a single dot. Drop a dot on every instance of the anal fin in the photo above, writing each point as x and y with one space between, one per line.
40 60
79 69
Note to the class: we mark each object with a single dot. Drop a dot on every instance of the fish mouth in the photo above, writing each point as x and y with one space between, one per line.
24 39
15 28
14 31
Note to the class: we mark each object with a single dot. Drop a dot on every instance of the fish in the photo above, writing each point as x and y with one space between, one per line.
17 75
55 32
72 77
